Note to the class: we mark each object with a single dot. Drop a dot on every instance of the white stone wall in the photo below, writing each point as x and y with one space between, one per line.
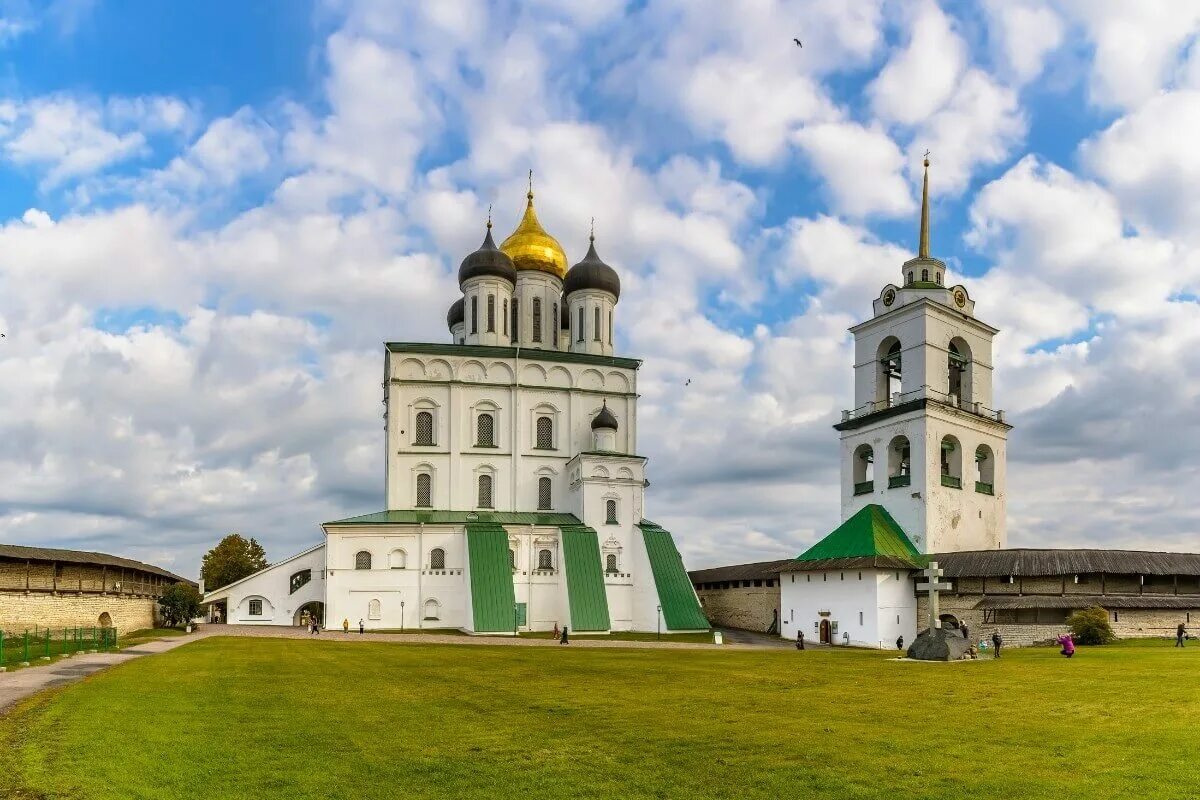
864 603
585 305
272 586
476 292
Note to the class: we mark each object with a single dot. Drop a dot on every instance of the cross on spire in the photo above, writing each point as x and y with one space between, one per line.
923 247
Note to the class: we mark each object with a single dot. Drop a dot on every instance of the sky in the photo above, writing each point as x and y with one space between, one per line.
213 215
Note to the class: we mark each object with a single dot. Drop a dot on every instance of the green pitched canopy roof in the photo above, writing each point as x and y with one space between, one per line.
869 533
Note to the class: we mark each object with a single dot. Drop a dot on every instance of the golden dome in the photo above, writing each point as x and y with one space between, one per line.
530 247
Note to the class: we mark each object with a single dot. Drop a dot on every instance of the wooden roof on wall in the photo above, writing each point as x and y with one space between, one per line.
1023 562
18 552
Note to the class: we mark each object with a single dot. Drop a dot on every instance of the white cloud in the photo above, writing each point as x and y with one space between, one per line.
862 167
69 139
1026 32
920 78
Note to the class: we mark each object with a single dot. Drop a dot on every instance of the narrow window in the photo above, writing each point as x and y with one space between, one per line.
362 560
610 326
544 494
437 558
939 279
610 508
596 327
860 618
504 316
512 559
424 428
431 609
516 319
424 490
610 563
485 491
554 323
485 431
537 319
924 275
545 559
579 330
491 313
545 433
475 314
256 608
910 280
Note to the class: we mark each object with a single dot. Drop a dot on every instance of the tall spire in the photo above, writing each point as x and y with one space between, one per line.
923 247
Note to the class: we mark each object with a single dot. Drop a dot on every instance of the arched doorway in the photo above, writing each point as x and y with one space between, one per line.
105 620
310 611
825 637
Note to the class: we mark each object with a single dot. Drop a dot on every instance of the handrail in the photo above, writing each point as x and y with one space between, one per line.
922 393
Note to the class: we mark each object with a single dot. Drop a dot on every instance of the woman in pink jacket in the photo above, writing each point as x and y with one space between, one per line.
1068 645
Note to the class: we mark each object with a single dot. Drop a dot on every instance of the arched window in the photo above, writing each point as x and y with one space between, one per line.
373 610
424 432
985 467
610 563
504 316
544 491
889 377
398 559
362 560
554 328
516 318
910 278
485 431
610 512
951 458
255 608
512 559
579 330
610 326
437 558
596 326
939 278
545 433
491 313
485 491
298 580
424 490
432 609
474 314
864 469
537 319
925 276
958 370
899 463
545 559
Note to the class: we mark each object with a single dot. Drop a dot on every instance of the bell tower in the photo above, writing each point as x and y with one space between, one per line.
924 439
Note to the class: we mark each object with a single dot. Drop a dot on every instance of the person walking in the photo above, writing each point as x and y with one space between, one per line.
899 642
1068 645
360 626
345 626
799 640
555 636
966 631
1180 635
563 639
996 642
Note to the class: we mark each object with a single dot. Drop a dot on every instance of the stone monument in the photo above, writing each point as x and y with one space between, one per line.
937 643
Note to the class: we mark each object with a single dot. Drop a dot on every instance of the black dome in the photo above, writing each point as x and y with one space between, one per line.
604 419
592 273
487 260
457 314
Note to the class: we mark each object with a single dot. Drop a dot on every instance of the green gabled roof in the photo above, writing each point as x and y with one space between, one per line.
870 532
431 517
493 601
681 609
586 596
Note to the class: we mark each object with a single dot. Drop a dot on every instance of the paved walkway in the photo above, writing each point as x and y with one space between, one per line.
15 686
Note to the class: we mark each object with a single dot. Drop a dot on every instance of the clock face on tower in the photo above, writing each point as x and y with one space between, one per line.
960 298
889 297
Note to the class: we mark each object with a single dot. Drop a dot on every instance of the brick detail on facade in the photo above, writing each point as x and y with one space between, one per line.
750 608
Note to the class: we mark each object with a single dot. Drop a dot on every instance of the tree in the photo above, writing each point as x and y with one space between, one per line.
179 603
232 559
1090 626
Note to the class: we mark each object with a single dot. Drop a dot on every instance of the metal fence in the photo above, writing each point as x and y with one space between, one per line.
46 643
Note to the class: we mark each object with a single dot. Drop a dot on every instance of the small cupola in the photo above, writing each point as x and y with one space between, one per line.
592 273
604 429
457 315
488 260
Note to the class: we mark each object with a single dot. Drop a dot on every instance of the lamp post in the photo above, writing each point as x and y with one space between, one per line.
402 616
658 623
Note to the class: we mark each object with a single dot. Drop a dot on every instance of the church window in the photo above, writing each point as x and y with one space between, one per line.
398 559
298 580
504 317
554 323
516 319
545 559
899 463
579 329
437 558
610 563
544 494
860 618
537 319
424 490
596 327
951 462
939 279
424 429
491 313
474 314
958 370
545 433
512 559
889 378
910 278
925 275
362 560
485 491
256 608
373 610
610 511
610 327
864 470
485 431
432 609
985 466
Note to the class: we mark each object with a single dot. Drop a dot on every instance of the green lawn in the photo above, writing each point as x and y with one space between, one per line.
263 718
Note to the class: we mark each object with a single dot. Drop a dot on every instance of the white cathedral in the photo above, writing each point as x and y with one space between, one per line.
514 491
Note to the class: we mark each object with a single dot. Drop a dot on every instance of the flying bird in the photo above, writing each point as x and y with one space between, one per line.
797 41
689 382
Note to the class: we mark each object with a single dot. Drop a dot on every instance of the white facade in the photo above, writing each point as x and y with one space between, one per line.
277 595
860 608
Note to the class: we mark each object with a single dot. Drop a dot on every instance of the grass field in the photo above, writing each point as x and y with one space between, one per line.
297 719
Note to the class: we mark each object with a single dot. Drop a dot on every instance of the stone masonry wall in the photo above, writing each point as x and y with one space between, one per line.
750 608
19 611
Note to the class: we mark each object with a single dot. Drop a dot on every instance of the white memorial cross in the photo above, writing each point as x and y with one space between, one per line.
932 586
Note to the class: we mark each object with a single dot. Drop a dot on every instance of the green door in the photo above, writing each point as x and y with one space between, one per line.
519 612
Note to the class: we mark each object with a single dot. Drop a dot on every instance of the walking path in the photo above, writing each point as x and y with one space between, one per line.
15 686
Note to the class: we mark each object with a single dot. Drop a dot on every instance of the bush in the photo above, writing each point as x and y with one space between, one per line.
1090 626
179 604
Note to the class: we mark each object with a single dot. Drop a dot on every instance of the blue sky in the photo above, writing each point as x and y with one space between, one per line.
213 215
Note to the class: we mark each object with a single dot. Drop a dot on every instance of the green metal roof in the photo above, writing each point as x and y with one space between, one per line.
870 532
680 608
493 602
531 354
431 517
585 579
